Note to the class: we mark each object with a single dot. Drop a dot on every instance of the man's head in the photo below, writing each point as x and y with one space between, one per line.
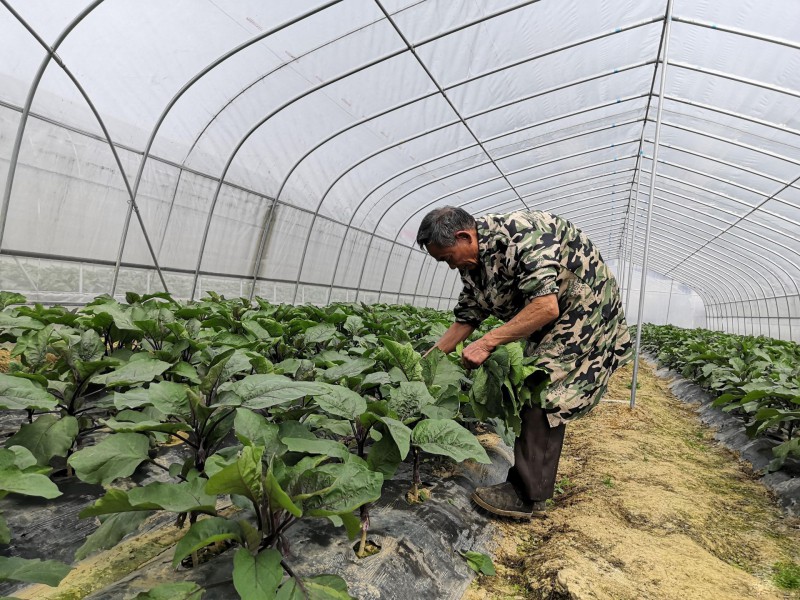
449 234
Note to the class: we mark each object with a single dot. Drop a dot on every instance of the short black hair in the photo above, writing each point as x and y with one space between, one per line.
440 225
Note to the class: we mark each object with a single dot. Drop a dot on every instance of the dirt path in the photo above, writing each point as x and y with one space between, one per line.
648 507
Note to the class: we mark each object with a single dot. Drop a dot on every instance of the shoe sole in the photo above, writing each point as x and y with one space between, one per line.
512 514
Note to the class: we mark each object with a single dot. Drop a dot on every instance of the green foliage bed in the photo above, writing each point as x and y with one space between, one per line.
292 412
755 377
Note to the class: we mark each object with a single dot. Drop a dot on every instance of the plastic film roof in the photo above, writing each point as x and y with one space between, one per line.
290 149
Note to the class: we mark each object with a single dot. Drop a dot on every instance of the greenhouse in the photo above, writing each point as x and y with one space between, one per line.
226 367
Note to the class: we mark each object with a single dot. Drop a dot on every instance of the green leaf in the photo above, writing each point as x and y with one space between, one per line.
185 590
10 322
337 488
376 379
400 434
142 370
480 563
9 298
48 572
114 501
243 477
384 457
17 393
116 456
254 430
448 438
338 427
321 587
110 532
187 371
18 475
120 315
205 532
278 497
20 457
353 324
143 426
350 368
266 390
437 369
257 577
168 397
317 446
408 398
402 356
320 333
176 497
46 437
342 402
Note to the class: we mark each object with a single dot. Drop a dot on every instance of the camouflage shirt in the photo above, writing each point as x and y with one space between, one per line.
526 254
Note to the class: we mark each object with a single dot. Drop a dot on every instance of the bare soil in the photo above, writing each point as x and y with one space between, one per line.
648 506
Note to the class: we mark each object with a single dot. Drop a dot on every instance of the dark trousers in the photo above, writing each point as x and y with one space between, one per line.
536 454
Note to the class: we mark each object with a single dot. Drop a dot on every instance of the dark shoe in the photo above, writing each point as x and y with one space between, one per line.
503 500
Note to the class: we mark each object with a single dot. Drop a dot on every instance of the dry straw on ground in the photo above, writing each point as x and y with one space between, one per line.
650 507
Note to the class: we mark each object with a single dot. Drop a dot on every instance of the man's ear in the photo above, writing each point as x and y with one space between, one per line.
465 235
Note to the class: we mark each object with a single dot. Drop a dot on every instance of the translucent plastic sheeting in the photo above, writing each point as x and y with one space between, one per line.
294 147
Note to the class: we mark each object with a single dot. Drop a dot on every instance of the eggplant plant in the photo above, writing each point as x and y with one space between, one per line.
755 377
21 474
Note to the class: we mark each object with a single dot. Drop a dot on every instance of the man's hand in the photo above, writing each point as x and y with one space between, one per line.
476 354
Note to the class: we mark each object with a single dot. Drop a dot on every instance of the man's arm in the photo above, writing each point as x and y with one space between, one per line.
538 313
456 333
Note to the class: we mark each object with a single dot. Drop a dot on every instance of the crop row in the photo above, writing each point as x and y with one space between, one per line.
755 377
291 412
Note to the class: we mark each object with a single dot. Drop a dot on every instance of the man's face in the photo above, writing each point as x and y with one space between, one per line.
461 255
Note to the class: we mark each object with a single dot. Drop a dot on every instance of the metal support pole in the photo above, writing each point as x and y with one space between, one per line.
629 278
651 201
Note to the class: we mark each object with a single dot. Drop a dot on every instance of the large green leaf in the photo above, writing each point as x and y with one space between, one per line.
146 425
317 446
350 368
439 370
141 370
320 333
20 475
408 398
401 435
46 437
18 393
384 457
257 577
321 587
185 590
278 497
9 298
168 397
342 402
48 572
175 497
205 532
114 501
253 429
242 477
10 322
110 532
336 488
448 438
120 315
266 390
402 356
116 456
